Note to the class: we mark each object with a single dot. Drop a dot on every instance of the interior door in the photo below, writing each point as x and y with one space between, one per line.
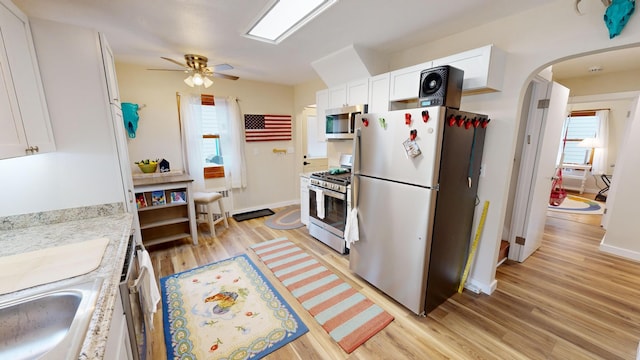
543 137
314 145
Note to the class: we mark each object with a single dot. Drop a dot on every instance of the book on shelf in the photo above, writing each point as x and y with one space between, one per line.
157 198
178 197
141 201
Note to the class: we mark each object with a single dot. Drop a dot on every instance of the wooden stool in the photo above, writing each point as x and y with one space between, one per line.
206 201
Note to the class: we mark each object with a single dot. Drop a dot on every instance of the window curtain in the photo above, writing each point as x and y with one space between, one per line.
600 165
232 142
191 116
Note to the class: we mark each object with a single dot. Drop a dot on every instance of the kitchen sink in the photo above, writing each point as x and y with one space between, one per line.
48 325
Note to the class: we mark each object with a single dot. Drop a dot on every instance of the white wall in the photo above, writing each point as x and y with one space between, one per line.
621 237
84 170
531 45
272 178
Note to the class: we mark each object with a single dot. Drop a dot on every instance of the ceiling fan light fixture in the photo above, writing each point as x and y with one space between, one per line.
197 79
282 18
207 82
189 81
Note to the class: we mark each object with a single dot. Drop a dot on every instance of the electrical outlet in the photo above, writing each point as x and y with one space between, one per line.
483 169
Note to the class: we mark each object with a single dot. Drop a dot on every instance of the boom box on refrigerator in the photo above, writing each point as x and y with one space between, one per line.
441 86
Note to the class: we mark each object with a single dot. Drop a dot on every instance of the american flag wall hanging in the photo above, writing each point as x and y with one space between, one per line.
267 127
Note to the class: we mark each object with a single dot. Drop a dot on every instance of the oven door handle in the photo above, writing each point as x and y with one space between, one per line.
330 193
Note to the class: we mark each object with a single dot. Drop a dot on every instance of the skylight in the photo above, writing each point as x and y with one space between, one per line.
284 17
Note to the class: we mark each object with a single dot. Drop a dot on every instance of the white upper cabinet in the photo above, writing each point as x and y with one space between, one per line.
352 93
483 68
24 117
322 104
379 93
110 71
405 83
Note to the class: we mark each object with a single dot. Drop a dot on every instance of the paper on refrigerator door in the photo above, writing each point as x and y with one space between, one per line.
319 203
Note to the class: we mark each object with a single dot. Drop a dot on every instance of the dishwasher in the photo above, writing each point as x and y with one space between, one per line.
131 301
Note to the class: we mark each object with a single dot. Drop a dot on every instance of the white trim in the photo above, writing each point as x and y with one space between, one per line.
625 253
266 206
604 97
478 287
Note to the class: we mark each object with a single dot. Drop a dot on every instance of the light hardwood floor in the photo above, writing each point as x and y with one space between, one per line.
567 301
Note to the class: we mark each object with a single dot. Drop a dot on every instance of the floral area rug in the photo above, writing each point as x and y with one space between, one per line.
225 310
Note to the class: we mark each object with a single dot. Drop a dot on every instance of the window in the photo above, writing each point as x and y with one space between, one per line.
212 159
577 127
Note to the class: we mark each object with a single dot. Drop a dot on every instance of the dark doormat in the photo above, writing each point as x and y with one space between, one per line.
252 214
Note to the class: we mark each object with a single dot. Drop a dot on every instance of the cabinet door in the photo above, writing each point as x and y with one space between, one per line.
123 158
21 89
322 104
358 92
304 200
337 96
110 71
13 141
405 83
379 93
118 345
483 67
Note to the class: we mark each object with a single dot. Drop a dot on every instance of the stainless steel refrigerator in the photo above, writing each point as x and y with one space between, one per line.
415 180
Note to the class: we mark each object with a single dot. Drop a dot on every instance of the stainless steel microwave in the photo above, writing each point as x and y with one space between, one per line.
340 122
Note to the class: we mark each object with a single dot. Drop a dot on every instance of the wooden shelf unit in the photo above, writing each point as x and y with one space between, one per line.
170 221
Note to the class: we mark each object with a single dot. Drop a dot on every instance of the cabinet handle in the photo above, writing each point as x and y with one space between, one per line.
32 149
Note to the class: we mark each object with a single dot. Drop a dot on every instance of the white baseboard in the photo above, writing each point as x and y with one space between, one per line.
625 253
478 287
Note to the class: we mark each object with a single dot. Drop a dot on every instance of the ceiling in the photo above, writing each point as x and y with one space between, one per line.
142 31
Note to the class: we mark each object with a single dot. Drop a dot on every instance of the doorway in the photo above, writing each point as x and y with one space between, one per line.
587 92
314 143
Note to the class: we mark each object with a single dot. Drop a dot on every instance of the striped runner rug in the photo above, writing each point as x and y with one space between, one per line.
349 317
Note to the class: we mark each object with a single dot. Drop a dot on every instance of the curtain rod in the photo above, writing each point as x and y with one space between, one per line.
586 111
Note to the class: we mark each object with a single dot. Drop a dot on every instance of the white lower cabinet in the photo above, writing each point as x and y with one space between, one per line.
118 344
304 200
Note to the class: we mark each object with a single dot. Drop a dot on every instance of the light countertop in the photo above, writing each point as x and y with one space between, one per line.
115 227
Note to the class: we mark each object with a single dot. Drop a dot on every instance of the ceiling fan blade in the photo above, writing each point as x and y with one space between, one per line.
220 67
174 61
224 76
184 70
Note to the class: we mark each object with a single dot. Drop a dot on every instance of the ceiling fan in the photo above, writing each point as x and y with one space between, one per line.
199 72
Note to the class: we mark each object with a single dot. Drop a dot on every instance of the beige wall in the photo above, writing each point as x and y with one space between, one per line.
272 178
